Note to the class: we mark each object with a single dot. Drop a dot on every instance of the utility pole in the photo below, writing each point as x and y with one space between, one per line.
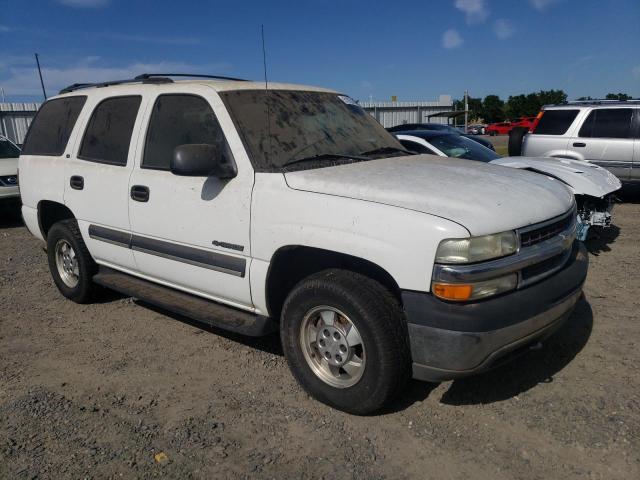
40 73
466 110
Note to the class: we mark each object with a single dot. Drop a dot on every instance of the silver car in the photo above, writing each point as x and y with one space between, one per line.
606 133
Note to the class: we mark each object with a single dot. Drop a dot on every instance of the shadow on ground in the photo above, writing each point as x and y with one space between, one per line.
269 343
525 372
600 239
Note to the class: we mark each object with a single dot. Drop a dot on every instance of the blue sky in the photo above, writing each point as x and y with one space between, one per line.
416 50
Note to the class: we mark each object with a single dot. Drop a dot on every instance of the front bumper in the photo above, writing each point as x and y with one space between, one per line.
453 340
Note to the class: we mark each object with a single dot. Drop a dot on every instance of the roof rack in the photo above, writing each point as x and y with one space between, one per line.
598 101
145 78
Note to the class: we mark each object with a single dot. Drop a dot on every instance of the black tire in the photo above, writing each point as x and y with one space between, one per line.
516 135
85 290
380 321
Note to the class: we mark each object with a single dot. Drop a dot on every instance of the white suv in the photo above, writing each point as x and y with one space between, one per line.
604 132
292 209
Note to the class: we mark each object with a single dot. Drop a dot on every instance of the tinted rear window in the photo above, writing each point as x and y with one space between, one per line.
555 122
108 134
608 123
50 130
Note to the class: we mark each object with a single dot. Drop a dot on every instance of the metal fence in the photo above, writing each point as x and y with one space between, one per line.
15 119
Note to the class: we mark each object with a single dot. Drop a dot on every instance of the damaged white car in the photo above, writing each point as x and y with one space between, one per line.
592 186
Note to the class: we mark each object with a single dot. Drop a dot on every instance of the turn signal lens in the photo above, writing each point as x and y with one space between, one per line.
459 292
449 291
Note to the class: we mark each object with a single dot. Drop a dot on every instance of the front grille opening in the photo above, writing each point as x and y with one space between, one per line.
542 267
541 234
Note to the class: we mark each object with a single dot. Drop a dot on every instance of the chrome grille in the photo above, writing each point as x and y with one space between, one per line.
533 235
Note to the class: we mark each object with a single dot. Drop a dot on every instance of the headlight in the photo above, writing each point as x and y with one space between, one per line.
476 249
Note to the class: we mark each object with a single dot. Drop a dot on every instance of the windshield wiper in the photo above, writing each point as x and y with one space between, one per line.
323 156
387 150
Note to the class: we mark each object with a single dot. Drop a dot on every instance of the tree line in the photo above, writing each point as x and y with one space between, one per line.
492 108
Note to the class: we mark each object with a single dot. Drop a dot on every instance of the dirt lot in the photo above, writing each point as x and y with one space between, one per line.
98 391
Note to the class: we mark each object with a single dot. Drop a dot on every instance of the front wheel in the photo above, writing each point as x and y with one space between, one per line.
345 338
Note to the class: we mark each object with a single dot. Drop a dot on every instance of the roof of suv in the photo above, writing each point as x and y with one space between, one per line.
221 84
594 103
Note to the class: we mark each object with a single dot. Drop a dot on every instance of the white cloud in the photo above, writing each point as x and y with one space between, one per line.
635 71
5 29
503 28
475 11
23 80
85 3
451 39
542 4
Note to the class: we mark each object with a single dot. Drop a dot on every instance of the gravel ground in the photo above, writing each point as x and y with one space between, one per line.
119 389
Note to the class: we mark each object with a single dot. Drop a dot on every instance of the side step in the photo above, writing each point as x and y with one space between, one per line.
197 308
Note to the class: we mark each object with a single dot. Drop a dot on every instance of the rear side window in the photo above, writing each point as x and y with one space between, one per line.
51 129
108 134
555 122
608 123
178 120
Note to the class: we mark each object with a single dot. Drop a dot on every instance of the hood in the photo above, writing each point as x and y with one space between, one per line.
8 166
584 178
483 198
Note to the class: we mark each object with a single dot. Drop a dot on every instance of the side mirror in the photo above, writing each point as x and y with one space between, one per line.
202 160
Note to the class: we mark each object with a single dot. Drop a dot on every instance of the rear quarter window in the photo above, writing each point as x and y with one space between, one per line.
50 130
555 122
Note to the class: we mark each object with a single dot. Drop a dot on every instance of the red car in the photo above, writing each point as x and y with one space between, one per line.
524 122
502 128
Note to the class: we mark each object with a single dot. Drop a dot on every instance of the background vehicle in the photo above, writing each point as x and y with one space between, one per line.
526 122
502 128
606 133
592 186
440 128
305 217
477 129
9 153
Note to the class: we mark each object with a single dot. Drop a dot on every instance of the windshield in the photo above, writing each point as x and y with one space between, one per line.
8 149
461 147
302 125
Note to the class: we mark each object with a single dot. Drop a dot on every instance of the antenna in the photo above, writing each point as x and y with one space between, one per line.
40 73
266 88
264 59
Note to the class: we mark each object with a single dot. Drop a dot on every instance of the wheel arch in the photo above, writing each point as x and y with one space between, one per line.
50 212
291 263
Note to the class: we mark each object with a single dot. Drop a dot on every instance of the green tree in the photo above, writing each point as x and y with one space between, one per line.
492 109
618 96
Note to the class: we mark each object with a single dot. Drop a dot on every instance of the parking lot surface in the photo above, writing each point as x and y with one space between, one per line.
120 389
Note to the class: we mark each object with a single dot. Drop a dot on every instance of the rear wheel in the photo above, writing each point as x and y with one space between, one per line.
516 135
345 338
70 263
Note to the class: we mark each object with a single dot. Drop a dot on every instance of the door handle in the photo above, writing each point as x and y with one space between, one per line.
579 144
140 193
76 182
